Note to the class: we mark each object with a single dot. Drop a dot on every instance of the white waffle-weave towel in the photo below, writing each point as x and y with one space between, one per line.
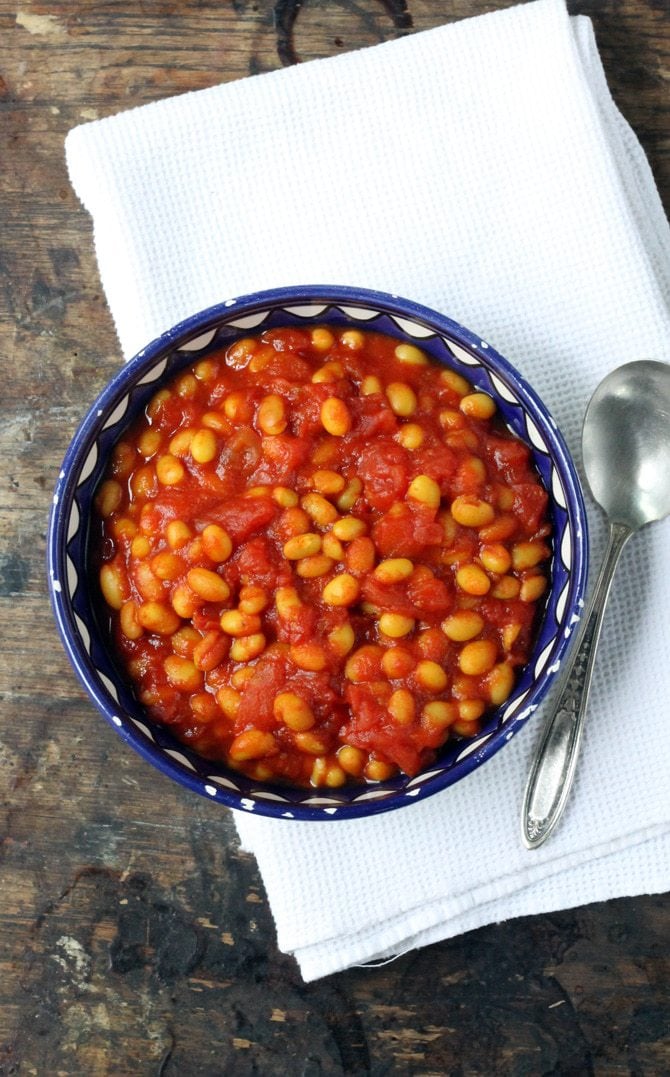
480 168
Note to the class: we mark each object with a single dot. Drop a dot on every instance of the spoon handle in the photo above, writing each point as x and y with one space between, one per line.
555 760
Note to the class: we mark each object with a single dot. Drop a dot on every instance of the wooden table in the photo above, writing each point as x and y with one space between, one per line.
136 937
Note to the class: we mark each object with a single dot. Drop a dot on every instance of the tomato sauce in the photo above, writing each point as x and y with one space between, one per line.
322 555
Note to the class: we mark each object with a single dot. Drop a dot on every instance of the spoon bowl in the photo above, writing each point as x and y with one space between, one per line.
626 443
626 454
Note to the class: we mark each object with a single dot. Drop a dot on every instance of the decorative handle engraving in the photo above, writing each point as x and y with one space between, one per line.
554 765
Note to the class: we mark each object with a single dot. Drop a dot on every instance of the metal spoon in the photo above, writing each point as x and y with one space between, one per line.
626 454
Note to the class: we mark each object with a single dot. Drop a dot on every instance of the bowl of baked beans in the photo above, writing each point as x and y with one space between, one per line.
317 552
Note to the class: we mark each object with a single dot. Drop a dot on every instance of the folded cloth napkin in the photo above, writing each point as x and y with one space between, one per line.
482 169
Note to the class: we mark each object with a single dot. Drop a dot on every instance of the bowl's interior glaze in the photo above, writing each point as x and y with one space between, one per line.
72 583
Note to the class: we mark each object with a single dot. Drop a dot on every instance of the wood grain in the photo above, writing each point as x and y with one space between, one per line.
136 938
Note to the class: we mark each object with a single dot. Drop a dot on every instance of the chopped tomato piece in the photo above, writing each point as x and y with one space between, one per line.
510 456
407 531
530 505
384 468
429 594
243 516
256 703
439 462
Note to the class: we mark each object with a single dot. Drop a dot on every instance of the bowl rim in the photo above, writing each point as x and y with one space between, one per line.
98 417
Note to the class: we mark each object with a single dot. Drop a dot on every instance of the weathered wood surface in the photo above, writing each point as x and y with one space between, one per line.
136 939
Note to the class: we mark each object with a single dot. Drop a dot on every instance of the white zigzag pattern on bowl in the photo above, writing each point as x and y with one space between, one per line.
543 659
306 311
534 435
83 632
252 321
566 548
143 729
512 707
262 795
557 489
154 374
361 314
196 344
179 757
413 329
560 603
118 413
460 353
473 746
109 686
73 524
226 783
89 463
503 390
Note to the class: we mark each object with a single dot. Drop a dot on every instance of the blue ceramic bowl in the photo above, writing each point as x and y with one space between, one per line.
71 580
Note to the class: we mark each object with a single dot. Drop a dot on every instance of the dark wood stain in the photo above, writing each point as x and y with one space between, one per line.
285 21
135 937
